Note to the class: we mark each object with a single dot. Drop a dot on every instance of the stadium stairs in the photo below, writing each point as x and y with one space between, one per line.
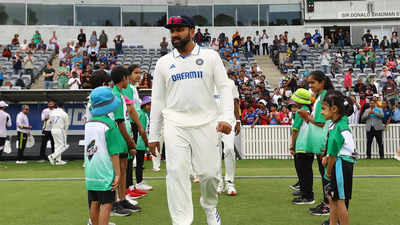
272 73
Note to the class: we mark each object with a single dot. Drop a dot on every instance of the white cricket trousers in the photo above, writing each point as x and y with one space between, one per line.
60 143
229 156
186 146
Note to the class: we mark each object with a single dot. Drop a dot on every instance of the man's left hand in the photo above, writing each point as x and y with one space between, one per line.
237 128
224 127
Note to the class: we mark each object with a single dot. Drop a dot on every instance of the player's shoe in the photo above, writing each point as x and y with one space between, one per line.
317 207
156 169
131 200
230 188
60 163
303 201
142 186
295 187
397 156
296 193
21 162
213 217
51 160
321 210
126 205
132 194
117 210
134 189
220 187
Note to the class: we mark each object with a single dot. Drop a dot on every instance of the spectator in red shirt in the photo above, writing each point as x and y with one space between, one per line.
391 65
348 79
7 53
284 116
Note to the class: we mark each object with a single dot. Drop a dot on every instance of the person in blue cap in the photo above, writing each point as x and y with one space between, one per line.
102 149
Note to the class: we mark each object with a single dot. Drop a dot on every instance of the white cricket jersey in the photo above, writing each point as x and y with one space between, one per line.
45 116
235 95
59 119
183 90
5 121
22 121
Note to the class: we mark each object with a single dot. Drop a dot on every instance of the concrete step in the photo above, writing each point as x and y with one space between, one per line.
272 73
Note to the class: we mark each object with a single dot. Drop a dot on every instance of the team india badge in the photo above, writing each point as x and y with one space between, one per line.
199 62
91 149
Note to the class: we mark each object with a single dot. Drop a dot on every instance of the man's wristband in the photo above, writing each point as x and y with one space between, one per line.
238 121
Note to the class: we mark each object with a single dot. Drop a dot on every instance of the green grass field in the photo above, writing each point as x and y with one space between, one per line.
259 202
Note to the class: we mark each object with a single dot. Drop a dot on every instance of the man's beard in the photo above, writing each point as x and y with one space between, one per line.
182 43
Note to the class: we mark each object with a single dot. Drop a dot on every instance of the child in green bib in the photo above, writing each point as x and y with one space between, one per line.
340 155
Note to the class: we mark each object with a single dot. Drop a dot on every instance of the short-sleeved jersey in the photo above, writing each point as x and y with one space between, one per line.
121 112
132 94
102 139
316 136
302 127
340 140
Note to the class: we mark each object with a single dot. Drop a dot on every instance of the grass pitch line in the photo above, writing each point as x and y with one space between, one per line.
163 178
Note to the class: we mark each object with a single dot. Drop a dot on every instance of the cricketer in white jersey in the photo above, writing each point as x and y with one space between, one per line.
183 101
229 148
59 123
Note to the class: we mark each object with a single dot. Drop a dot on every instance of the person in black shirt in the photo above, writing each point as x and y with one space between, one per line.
367 38
375 42
293 46
359 86
82 38
48 74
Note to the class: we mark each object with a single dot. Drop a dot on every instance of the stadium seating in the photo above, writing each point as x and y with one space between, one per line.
41 59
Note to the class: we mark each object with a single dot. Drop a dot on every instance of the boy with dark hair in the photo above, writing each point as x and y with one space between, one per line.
119 76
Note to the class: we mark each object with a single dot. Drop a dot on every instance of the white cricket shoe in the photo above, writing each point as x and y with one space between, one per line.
131 200
142 186
21 162
60 163
397 156
230 188
156 169
51 160
213 217
220 187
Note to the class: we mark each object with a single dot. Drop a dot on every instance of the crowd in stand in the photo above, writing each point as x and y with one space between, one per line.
78 59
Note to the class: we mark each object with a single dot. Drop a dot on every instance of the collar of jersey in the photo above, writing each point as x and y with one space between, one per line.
195 51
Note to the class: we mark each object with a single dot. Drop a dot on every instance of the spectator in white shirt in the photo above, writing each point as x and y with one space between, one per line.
325 59
264 42
354 118
23 129
46 130
24 45
5 121
74 82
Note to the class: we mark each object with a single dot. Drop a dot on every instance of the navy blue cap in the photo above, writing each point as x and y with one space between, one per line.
183 21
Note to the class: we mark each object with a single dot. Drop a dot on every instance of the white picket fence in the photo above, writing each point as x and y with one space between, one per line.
272 142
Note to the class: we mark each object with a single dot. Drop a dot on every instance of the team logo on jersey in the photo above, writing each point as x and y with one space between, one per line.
199 62
91 149
187 75
172 66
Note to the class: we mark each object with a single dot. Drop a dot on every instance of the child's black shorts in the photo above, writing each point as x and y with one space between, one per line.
342 180
102 197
